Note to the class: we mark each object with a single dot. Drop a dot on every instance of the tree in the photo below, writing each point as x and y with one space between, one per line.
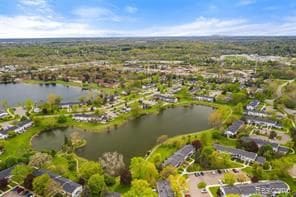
242 177
140 188
90 168
196 144
216 118
62 119
143 169
136 110
201 185
29 104
167 171
20 172
250 146
45 186
28 182
272 135
229 178
238 109
125 177
178 184
112 163
39 159
3 184
161 139
96 184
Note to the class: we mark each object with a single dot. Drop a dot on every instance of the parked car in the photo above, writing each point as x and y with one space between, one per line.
235 170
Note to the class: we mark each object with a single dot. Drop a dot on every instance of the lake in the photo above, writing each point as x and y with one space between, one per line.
134 138
18 93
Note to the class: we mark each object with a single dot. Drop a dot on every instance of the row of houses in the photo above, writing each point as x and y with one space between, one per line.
166 98
253 105
245 156
164 189
256 113
204 98
21 127
266 188
69 188
262 122
179 157
91 118
260 142
3 114
233 129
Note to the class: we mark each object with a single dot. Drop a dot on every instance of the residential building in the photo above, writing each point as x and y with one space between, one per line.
233 129
204 98
19 128
3 114
179 156
70 188
253 105
245 156
261 142
262 121
86 117
69 104
164 189
256 113
23 126
266 188
166 98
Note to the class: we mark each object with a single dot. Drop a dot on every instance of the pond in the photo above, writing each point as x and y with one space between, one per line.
19 92
135 137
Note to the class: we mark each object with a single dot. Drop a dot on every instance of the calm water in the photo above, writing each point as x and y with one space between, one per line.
134 138
18 93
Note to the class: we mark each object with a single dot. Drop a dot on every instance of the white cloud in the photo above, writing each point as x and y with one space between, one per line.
36 7
131 9
96 13
24 26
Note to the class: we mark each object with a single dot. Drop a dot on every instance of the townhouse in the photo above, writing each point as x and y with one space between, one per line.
262 121
3 114
260 142
245 156
21 127
204 98
179 157
164 189
166 98
253 105
256 113
233 129
266 188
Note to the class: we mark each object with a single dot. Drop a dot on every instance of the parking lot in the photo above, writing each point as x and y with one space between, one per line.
209 177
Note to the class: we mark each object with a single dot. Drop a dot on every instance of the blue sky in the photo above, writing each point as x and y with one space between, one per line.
108 18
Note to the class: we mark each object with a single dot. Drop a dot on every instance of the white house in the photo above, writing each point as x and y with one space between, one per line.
3 114
166 98
253 105
23 126
204 98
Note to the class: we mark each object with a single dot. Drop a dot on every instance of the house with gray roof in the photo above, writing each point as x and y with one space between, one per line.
204 98
260 142
262 121
179 156
166 98
233 129
70 188
245 156
3 114
253 105
266 188
164 189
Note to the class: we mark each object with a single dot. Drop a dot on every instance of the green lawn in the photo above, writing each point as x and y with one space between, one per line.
214 191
